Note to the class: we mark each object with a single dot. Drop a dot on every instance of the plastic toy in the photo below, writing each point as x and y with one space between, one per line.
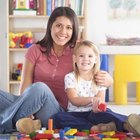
121 136
110 138
26 40
61 134
50 124
71 132
16 74
102 107
20 40
42 136
127 69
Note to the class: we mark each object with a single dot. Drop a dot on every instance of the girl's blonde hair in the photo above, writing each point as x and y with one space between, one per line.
91 45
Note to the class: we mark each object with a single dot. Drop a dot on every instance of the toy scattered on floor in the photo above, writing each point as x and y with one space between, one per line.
62 135
73 134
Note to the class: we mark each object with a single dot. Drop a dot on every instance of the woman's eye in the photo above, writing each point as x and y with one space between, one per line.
70 28
58 25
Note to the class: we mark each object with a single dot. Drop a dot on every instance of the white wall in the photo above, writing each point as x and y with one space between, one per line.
98 23
98 26
3 45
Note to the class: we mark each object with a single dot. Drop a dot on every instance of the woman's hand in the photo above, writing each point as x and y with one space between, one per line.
103 78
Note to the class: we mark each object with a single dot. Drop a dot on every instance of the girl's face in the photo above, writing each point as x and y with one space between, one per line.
85 58
61 30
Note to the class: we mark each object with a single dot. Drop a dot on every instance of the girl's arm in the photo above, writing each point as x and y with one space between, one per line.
27 75
78 101
100 99
101 95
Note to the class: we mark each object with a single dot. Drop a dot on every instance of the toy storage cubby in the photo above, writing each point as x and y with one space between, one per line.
17 24
37 26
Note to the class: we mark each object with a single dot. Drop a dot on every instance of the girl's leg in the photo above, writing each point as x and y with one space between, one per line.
71 119
6 100
108 116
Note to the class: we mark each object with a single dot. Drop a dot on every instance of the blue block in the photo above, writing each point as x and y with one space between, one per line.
61 134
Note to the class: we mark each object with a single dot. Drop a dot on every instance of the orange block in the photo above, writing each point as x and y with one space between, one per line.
50 124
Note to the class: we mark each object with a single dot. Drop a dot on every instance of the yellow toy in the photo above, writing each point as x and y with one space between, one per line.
71 132
126 69
110 138
12 44
20 40
110 133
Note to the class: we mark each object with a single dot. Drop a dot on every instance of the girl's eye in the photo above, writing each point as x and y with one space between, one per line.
90 56
81 55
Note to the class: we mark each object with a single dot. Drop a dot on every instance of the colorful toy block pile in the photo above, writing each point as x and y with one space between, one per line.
68 134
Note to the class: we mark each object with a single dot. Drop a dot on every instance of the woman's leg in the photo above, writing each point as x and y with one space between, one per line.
108 116
37 99
6 100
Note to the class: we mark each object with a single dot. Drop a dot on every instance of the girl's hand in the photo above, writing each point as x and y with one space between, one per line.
95 103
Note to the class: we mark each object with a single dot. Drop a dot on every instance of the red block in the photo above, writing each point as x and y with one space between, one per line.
102 107
43 136
81 134
121 136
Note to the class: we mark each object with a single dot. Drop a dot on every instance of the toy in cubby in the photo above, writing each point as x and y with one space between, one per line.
16 74
20 40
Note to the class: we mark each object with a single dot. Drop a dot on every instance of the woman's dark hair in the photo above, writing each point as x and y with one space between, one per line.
47 41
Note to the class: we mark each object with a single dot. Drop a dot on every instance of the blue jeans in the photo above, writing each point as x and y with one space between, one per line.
37 99
85 120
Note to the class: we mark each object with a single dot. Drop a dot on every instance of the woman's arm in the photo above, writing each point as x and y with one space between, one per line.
103 78
27 75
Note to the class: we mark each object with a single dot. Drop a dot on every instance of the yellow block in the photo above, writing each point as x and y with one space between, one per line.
110 133
110 138
49 131
71 132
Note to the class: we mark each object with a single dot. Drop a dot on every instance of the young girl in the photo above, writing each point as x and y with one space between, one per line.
85 96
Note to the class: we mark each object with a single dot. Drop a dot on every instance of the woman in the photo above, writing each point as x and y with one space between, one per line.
46 64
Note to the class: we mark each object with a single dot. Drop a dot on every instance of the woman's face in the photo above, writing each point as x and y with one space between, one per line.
61 30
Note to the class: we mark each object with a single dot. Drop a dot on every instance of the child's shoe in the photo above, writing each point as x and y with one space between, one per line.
132 124
104 127
27 125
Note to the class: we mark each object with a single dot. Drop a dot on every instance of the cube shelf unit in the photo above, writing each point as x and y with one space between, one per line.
36 25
